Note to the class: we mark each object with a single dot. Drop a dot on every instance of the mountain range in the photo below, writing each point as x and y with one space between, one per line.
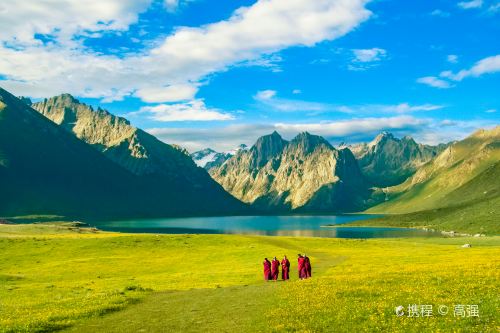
466 171
386 175
306 174
60 156
388 161
68 159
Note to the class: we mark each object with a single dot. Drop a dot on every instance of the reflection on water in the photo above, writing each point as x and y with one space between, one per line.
299 226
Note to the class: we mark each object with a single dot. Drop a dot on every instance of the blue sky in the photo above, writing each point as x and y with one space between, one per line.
218 73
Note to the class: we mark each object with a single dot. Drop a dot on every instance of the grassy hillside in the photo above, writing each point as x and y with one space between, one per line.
484 186
472 218
466 171
471 208
56 278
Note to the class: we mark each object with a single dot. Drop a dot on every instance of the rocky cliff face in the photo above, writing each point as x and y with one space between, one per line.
265 149
388 161
113 136
306 173
130 147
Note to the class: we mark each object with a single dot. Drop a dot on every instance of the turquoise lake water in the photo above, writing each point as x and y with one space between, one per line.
305 226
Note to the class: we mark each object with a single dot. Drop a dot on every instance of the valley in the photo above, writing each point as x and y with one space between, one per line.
58 277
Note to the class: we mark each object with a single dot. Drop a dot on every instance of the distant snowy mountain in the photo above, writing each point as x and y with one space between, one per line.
238 149
209 158
205 156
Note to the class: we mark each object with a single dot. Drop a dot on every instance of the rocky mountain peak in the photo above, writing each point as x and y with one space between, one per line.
121 142
303 136
270 138
94 127
307 142
306 173
267 147
381 138
388 161
63 99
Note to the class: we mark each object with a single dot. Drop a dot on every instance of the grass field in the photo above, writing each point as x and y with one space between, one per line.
60 277
480 217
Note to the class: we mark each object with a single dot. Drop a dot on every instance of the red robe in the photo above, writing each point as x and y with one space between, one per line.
285 269
301 268
275 269
267 270
307 267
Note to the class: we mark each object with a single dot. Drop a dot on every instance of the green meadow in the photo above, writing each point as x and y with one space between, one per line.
477 217
63 277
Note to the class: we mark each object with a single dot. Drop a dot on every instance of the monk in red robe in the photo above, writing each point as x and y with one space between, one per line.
275 268
307 266
301 267
267 269
285 268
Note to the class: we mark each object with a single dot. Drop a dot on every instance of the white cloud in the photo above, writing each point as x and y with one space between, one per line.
484 66
442 131
264 28
21 20
270 62
188 55
494 8
42 72
491 111
171 93
173 5
219 138
377 109
425 130
487 65
342 128
470 4
296 91
440 13
434 82
367 58
194 110
407 108
452 58
369 55
228 137
265 95
272 102
269 99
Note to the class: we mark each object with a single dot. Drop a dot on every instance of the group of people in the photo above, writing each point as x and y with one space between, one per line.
272 268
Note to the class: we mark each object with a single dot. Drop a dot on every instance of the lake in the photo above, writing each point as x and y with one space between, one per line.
305 226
